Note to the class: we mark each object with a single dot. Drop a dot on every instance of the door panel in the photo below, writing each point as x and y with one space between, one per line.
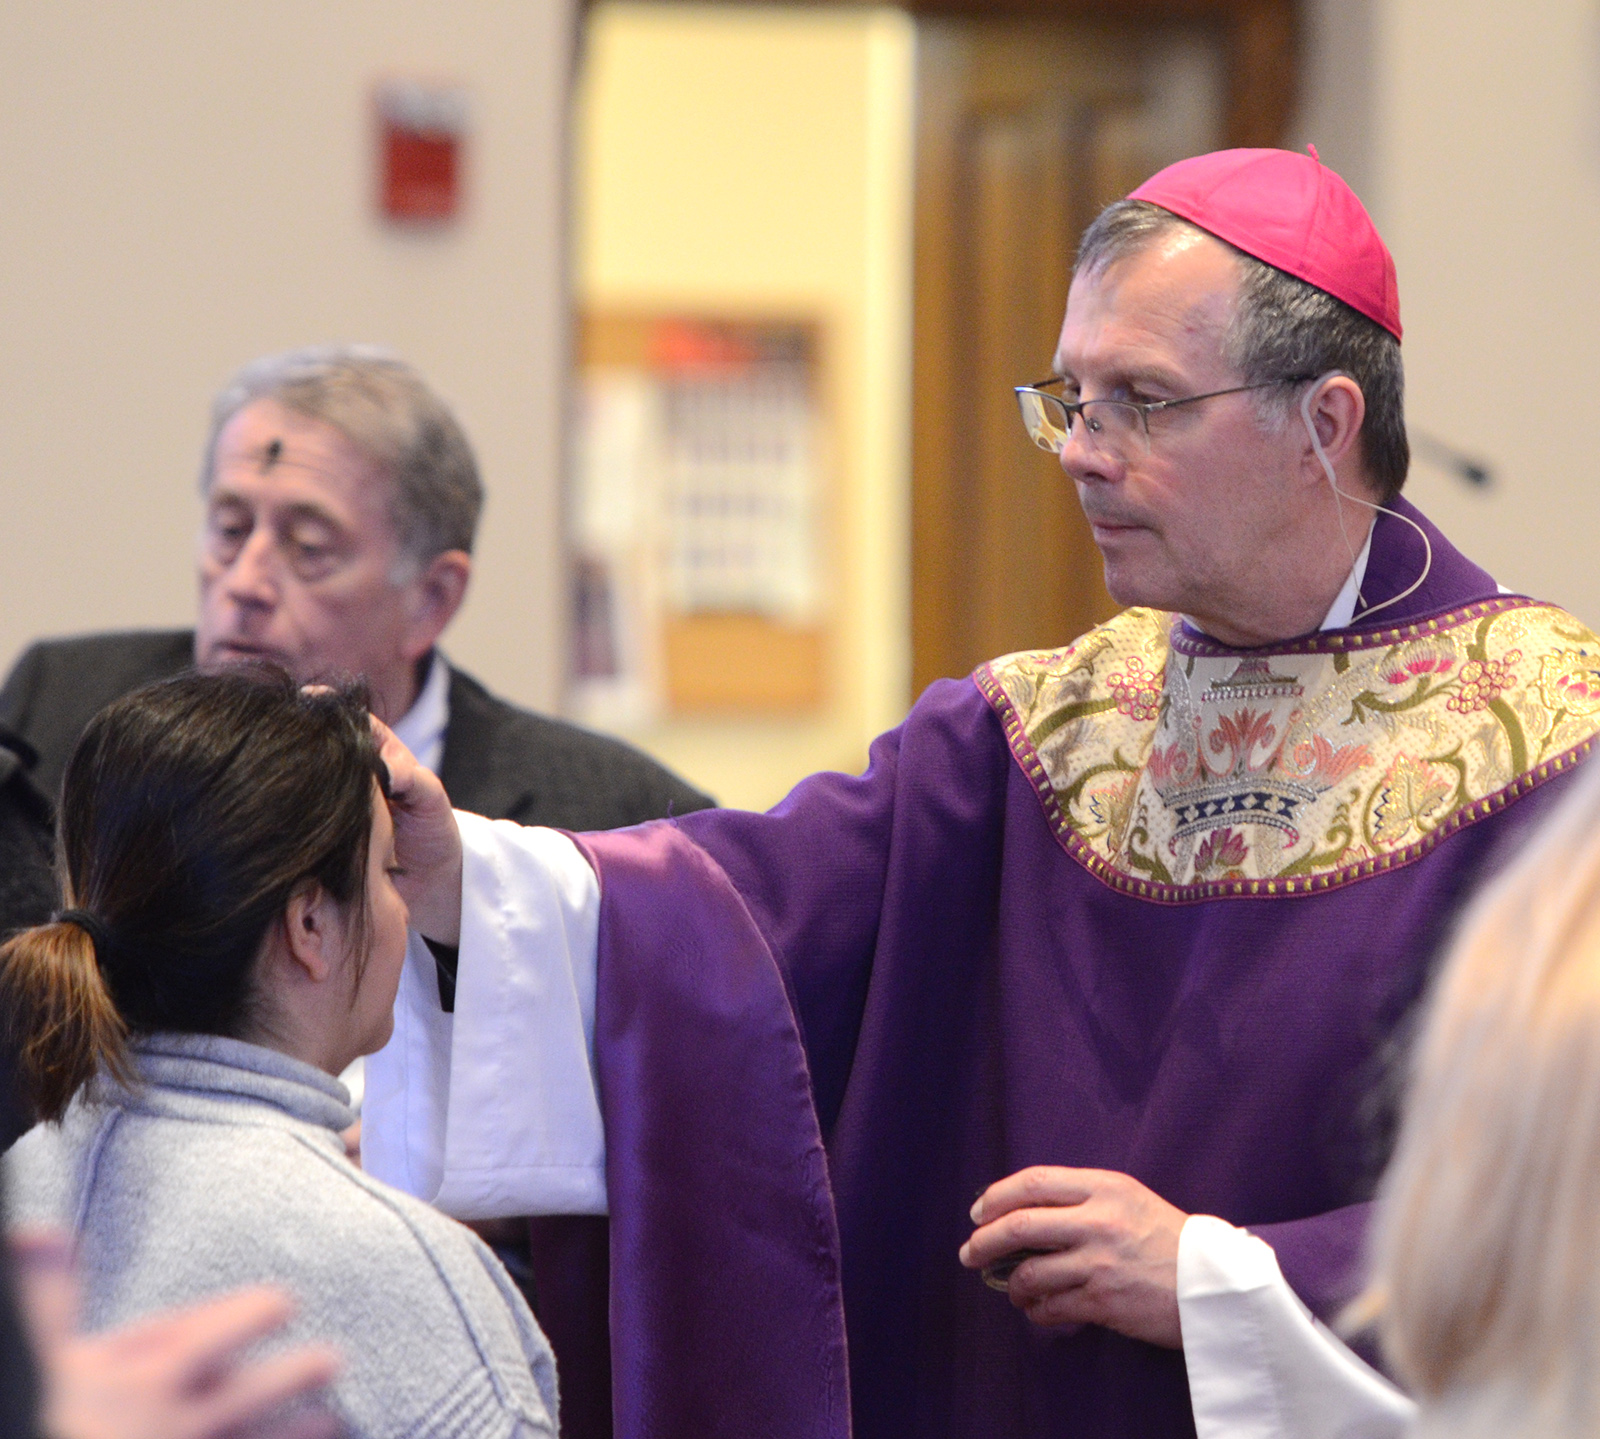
1025 130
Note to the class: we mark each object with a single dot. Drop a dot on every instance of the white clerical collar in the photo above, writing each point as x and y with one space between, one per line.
421 729
1343 609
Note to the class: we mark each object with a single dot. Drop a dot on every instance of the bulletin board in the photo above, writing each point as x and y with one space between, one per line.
699 527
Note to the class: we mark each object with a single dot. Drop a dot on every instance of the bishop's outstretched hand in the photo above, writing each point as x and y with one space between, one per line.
427 843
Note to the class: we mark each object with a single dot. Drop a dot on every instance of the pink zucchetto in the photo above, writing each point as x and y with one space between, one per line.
1291 211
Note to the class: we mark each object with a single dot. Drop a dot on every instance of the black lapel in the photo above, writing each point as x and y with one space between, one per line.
472 769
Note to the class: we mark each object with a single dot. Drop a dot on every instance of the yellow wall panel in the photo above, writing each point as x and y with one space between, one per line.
734 162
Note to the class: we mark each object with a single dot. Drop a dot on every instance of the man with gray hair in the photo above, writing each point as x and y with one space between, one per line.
341 503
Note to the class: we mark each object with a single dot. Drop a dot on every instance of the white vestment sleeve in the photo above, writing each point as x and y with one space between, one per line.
1260 1365
492 1111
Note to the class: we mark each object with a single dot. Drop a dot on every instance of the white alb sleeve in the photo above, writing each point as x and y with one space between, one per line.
492 1111
1260 1365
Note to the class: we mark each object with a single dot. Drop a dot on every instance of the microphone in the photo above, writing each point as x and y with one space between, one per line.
1447 457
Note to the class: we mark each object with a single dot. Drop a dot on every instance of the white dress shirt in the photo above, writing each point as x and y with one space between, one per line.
421 729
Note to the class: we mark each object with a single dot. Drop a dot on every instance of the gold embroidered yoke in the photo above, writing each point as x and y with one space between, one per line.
1176 769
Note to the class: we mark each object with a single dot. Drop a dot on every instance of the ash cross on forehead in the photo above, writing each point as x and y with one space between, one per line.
271 453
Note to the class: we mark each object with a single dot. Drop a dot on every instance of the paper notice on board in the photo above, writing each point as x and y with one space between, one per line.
697 497
740 487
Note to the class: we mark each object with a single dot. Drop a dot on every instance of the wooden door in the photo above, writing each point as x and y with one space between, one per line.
1026 128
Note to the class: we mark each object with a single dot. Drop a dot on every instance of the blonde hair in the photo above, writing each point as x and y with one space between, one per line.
1486 1282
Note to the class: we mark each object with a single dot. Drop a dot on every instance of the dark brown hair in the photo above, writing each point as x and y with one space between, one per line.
191 811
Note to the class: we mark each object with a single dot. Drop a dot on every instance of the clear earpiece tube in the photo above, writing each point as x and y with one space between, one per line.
1333 483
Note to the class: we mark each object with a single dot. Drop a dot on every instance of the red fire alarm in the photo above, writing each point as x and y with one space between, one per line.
422 126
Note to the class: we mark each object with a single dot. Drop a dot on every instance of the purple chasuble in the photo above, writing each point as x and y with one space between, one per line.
821 1031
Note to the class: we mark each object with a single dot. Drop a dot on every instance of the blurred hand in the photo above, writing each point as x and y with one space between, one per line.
427 843
179 1375
1113 1246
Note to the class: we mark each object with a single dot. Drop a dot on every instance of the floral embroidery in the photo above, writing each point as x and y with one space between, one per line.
1244 739
1482 682
1317 759
1412 661
1110 803
1177 770
1222 849
1570 680
1136 690
1408 799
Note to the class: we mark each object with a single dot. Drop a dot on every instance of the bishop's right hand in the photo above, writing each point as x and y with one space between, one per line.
427 843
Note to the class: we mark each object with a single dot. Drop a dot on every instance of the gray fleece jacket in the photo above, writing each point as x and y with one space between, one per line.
224 1167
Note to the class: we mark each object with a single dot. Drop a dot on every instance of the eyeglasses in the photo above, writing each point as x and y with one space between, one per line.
1122 426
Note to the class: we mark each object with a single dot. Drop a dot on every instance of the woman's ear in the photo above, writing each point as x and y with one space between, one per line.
312 934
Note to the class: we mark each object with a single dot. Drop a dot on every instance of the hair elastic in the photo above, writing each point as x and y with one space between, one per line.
91 925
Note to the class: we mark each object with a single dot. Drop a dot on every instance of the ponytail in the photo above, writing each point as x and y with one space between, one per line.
191 812
60 1013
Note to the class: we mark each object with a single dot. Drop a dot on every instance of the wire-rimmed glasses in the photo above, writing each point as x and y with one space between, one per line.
1122 426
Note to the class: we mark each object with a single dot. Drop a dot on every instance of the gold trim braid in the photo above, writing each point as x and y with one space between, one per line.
1176 770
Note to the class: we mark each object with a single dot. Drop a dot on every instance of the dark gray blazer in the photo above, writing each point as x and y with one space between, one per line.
499 761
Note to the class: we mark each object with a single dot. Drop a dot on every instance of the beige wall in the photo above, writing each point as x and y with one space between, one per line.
1473 132
757 161
1488 186
1336 111
188 184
